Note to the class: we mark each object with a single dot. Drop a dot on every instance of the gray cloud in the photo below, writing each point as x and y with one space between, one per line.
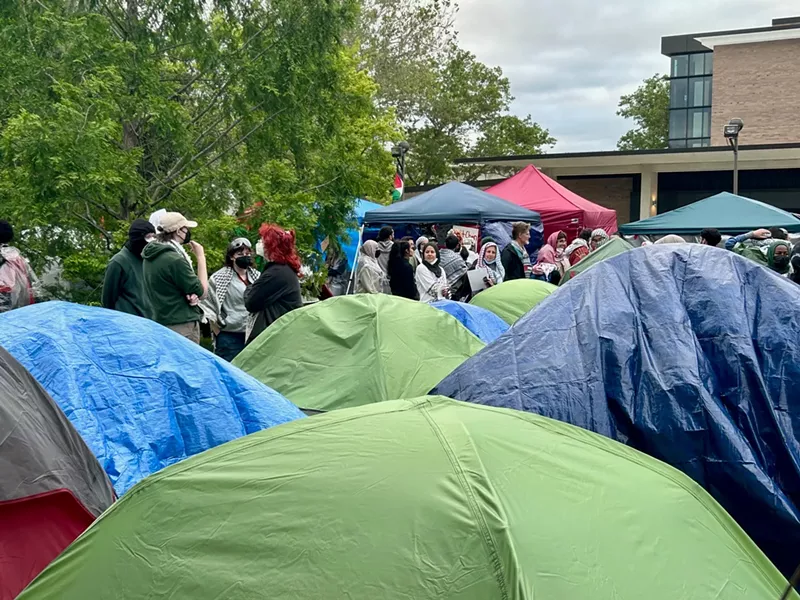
570 60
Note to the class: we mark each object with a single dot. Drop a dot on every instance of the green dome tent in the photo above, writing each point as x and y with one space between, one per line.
424 499
354 350
512 299
612 247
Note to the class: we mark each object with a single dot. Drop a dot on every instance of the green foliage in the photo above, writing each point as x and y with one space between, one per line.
648 106
450 104
111 110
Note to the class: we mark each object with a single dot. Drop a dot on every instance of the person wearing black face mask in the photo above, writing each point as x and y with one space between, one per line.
224 305
123 287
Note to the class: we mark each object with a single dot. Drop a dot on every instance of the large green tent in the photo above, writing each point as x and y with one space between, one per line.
727 212
354 350
512 299
612 247
424 499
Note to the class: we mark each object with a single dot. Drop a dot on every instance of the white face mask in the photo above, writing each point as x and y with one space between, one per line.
431 261
260 248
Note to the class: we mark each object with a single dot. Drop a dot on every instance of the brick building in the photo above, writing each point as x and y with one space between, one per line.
752 74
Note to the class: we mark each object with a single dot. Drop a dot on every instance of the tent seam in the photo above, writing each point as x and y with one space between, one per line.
473 504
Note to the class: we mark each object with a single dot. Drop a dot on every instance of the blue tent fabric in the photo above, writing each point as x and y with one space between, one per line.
141 396
688 353
729 213
452 202
350 245
484 324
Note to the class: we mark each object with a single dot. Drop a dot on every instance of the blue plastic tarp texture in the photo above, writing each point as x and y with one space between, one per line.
140 395
690 354
484 324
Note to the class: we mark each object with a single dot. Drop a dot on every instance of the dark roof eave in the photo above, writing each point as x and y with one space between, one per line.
607 153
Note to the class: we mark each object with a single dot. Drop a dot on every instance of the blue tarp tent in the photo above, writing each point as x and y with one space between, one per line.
688 353
729 213
452 202
350 246
140 395
486 325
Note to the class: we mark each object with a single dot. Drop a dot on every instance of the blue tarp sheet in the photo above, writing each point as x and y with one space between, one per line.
140 395
350 244
688 353
484 324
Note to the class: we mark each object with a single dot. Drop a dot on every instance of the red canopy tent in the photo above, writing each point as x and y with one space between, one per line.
560 208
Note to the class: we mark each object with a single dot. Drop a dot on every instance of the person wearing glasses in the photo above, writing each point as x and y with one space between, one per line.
173 289
224 304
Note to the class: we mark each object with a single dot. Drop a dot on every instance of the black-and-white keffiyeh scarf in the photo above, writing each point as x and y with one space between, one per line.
222 279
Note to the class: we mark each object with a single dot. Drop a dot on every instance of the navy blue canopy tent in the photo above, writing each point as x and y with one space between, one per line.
452 202
141 396
685 352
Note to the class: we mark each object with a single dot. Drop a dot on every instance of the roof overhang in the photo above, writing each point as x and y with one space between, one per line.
720 158
775 35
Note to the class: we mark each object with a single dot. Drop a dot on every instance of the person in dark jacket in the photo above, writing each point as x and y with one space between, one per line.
401 273
515 258
277 291
123 286
173 290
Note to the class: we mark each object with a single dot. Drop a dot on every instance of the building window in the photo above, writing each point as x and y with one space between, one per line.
690 100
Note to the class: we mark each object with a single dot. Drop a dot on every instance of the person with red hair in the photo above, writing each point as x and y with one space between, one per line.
277 291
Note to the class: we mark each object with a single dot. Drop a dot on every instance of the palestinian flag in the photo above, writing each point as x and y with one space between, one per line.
397 192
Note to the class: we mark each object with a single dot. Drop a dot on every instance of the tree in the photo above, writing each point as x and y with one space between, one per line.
110 109
648 106
447 101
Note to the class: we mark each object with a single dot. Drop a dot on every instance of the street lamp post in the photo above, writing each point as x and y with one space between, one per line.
399 153
731 133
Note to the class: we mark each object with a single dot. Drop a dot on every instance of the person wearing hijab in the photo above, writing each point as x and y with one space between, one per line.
420 244
794 262
123 285
774 254
224 304
671 239
370 277
489 261
431 278
579 248
552 252
599 237
401 273
277 290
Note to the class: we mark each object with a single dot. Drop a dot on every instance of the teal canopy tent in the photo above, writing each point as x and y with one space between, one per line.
729 213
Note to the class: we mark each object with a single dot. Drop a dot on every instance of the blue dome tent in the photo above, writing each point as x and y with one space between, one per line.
685 352
486 325
141 396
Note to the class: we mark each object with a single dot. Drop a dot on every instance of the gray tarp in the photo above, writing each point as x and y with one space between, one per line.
40 451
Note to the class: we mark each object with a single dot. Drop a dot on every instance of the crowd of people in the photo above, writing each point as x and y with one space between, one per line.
153 276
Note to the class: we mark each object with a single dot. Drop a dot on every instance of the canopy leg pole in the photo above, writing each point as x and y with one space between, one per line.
351 279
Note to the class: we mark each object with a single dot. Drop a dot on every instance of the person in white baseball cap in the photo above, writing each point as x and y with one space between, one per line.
173 288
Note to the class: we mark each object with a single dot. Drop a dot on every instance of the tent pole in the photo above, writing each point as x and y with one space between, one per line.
350 281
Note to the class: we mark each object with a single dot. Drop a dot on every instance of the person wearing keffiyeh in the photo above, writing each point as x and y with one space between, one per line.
224 305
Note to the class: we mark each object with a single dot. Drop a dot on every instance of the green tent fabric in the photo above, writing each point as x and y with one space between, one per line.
513 299
354 350
729 213
424 499
612 247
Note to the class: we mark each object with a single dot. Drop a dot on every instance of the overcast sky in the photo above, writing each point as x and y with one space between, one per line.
570 60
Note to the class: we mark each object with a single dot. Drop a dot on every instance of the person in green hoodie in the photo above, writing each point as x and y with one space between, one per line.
123 288
173 289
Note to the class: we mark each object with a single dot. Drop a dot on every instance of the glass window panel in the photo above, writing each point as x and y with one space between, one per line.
678 89
677 143
707 92
695 124
697 64
706 122
696 89
709 63
694 143
677 124
680 65
706 142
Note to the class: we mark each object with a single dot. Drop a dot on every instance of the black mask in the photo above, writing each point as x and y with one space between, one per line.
188 237
781 262
243 262
139 229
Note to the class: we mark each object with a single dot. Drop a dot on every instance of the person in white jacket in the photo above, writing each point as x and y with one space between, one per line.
431 278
